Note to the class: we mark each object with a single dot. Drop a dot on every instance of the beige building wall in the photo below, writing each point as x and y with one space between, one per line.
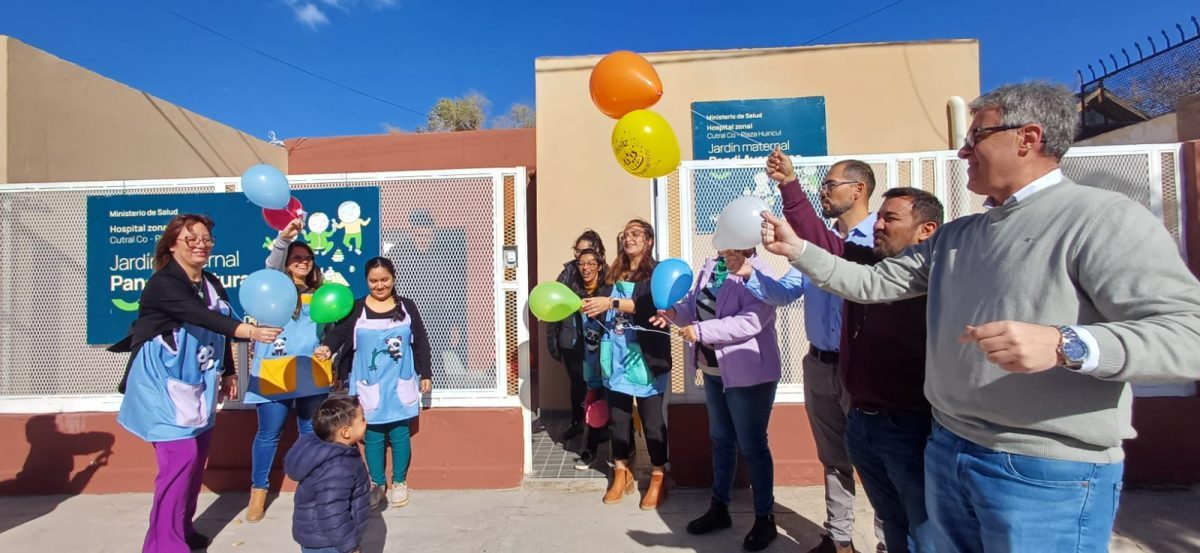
1160 130
879 98
65 123
4 41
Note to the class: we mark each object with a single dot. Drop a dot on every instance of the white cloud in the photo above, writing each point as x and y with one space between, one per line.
309 15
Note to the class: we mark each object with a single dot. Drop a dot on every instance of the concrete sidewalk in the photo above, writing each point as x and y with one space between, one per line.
526 521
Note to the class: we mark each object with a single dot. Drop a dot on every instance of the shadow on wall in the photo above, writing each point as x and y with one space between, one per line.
50 466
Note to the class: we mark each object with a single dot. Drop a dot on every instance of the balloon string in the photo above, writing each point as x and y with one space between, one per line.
739 133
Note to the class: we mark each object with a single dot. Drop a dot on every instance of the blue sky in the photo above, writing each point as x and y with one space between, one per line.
411 52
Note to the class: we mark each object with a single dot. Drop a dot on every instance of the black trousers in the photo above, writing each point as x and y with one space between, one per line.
578 385
654 422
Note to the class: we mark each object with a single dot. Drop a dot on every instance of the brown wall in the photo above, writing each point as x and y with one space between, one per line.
413 152
879 98
65 123
1187 113
51 454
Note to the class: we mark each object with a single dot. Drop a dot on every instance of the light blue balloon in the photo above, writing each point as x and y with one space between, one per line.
269 296
670 282
266 187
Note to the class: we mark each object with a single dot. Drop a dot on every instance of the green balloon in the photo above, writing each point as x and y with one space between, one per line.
331 303
553 301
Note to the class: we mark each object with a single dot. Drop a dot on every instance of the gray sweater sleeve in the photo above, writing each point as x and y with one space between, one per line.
901 277
277 259
1130 268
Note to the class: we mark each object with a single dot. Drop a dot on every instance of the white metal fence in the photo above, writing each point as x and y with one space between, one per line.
447 231
688 201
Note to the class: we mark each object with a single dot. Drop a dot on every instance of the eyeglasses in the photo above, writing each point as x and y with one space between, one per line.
829 185
633 234
583 264
979 134
192 241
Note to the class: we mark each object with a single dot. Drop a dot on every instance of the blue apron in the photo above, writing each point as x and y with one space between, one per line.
622 365
172 392
593 330
285 369
383 374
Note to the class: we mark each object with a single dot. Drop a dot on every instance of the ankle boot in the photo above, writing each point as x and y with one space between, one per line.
622 484
716 518
258 505
762 534
656 493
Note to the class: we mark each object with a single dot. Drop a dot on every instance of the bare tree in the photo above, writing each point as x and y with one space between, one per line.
519 116
468 113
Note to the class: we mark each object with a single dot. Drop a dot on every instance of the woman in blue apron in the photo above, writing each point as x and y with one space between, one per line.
635 363
180 368
284 377
390 369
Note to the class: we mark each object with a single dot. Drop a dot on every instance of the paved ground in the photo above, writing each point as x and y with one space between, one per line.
531 520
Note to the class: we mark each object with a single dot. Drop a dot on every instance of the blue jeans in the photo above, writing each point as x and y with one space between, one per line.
271 416
888 450
318 549
981 499
737 419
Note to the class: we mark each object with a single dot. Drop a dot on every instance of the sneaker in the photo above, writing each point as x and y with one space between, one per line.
716 518
399 494
575 429
197 541
762 534
585 460
378 493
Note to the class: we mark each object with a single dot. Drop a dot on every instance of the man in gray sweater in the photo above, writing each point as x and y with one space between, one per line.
1040 312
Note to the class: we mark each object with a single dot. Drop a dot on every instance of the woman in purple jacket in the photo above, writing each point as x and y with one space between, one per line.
730 337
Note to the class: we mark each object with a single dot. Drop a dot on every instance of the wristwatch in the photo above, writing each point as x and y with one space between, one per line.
616 304
1072 350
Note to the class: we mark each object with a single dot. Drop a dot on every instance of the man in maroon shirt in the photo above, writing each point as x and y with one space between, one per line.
882 353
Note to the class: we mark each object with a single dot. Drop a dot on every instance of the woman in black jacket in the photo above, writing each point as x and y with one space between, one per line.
180 368
635 362
563 338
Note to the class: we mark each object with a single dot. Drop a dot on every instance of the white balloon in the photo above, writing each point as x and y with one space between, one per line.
739 227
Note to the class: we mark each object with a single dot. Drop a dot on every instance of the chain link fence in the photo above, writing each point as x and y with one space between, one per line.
447 254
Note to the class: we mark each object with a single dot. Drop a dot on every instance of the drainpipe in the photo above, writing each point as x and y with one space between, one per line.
956 114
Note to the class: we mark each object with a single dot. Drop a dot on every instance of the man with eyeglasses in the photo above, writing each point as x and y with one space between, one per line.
1040 312
844 197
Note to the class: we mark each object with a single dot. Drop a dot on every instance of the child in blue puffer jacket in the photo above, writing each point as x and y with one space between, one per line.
333 498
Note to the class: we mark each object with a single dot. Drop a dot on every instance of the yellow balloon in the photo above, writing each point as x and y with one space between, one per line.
645 144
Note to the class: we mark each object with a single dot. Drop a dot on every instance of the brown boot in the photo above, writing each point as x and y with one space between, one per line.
258 505
623 484
656 493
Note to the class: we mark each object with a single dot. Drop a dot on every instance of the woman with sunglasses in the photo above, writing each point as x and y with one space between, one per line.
180 368
635 363
564 339
284 378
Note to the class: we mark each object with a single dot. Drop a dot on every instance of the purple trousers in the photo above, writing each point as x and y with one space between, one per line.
176 489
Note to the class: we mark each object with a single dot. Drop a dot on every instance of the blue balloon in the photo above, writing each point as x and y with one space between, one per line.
670 282
266 187
269 296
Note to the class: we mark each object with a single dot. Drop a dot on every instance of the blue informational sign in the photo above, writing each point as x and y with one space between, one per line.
342 227
752 128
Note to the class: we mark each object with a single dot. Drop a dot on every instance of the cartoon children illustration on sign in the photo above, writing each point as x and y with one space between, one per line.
349 214
318 237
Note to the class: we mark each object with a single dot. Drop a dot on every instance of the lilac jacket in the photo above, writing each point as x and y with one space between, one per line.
743 334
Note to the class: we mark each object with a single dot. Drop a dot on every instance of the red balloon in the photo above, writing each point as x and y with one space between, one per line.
278 219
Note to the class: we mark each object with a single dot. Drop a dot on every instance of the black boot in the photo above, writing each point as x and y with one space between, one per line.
761 535
716 518
197 541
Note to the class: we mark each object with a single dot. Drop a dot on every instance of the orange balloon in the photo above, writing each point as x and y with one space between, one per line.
622 82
